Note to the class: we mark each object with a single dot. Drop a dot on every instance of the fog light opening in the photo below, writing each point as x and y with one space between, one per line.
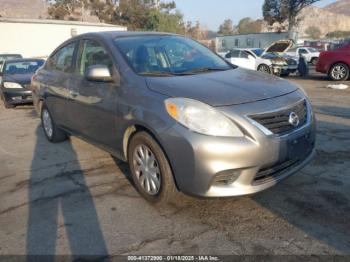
226 178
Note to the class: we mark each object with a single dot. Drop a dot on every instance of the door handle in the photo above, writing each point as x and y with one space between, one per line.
73 93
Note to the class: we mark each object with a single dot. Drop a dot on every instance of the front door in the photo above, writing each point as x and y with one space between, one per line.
93 104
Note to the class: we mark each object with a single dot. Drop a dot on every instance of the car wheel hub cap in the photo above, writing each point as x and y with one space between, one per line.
47 123
264 69
147 170
339 72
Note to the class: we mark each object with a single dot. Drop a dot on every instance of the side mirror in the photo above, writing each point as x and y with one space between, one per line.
228 55
98 73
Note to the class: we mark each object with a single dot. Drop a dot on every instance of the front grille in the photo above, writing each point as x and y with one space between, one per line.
266 174
278 122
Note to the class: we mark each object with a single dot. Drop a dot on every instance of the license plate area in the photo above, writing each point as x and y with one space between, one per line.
300 146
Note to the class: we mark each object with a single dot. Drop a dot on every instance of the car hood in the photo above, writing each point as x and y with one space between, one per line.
280 46
23 79
232 87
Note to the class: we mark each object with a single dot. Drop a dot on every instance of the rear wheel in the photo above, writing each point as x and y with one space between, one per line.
52 132
150 169
339 72
264 68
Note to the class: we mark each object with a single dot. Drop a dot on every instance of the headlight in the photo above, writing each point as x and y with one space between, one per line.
201 118
12 85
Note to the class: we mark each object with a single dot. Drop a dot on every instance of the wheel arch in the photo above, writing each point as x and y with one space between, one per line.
337 62
136 128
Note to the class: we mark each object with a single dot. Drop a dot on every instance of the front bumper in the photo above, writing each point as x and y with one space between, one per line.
208 166
17 96
278 69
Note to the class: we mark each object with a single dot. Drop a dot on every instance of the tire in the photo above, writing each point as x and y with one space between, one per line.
314 61
51 131
339 72
264 69
285 74
7 105
157 187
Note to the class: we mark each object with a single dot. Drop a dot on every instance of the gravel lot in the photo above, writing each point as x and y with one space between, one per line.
73 198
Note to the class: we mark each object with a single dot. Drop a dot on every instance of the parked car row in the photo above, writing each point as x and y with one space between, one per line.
182 117
15 78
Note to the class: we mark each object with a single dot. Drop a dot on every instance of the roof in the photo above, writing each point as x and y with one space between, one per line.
57 22
132 33
18 60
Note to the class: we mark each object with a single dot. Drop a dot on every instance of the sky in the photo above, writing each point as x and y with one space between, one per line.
211 13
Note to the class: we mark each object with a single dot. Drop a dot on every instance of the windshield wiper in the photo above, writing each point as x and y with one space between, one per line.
202 70
156 73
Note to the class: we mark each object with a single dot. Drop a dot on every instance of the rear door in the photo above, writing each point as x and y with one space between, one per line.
92 105
55 78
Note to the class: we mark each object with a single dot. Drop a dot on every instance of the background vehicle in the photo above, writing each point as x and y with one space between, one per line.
183 118
309 53
335 63
4 57
279 64
15 80
246 58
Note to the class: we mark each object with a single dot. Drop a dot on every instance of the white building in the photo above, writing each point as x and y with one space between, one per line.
38 38
258 40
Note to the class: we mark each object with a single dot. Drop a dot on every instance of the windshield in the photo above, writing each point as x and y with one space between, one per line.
23 67
313 50
168 55
258 52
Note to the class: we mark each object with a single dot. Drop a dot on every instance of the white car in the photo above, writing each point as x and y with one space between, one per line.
246 58
310 54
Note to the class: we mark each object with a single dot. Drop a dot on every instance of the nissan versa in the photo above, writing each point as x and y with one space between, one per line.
184 118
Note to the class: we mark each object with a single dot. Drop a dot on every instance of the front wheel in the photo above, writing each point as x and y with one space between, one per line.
314 61
52 132
264 69
150 169
339 72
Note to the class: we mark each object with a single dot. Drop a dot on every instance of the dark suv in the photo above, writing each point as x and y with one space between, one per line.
183 118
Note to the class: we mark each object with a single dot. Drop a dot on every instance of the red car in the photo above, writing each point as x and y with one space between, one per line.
335 63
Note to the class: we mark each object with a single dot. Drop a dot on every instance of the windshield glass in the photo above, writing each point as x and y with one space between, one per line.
313 50
258 52
271 56
168 55
24 67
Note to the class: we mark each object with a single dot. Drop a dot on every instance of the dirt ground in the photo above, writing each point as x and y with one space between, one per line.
73 198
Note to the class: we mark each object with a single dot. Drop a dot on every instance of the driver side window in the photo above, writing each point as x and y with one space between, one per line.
92 53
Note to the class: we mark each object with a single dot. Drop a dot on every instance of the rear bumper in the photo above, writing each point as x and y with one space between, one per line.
17 96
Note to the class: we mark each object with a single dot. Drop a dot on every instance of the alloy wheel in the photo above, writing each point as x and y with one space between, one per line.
264 69
47 122
339 72
147 169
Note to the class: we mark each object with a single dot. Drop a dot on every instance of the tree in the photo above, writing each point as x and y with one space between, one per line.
226 28
248 26
314 32
282 10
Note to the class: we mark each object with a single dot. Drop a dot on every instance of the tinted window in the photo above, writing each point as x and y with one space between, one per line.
62 59
235 53
24 67
244 55
173 54
258 52
302 51
92 53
